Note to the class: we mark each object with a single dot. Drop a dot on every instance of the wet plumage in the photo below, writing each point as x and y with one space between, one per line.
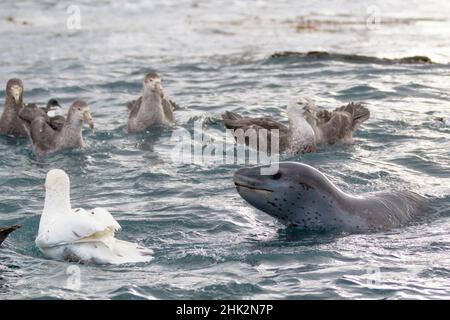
151 108
307 127
78 235
10 124
47 138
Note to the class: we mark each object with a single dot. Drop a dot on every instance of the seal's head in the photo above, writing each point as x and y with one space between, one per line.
14 90
79 111
297 194
152 83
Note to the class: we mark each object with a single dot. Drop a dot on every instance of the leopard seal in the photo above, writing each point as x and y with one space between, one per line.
299 195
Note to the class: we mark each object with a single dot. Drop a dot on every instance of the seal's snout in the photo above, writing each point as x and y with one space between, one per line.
244 177
250 179
241 178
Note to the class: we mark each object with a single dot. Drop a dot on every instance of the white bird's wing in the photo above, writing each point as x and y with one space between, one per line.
79 226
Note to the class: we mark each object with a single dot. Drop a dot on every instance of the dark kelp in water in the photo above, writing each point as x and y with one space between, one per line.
353 58
348 22
4 232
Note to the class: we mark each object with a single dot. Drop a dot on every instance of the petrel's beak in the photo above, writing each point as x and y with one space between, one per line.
16 91
88 119
158 86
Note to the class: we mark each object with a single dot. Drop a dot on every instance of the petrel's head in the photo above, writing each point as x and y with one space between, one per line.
152 83
14 89
53 108
52 104
80 111
302 108
300 105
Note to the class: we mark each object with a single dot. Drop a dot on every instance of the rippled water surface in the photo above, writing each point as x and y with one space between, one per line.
213 57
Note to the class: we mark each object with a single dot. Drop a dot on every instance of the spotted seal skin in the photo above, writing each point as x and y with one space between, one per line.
299 195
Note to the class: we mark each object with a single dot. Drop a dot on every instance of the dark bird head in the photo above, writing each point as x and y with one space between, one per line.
52 104
79 112
14 90
152 83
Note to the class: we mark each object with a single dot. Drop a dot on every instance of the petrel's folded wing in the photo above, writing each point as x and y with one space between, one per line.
134 105
253 127
168 108
57 122
42 134
359 113
234 121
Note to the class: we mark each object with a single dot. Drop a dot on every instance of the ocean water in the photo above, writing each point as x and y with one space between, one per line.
215 56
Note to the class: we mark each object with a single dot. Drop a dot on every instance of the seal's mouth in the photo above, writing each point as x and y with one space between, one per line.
251 180
240 185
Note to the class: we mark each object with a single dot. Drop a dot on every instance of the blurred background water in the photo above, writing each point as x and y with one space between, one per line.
215 56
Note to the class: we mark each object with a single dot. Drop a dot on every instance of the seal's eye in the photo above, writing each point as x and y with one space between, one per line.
276 176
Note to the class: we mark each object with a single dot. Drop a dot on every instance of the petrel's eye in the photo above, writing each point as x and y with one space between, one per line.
276 176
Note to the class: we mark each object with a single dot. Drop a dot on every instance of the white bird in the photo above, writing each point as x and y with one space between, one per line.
77 235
